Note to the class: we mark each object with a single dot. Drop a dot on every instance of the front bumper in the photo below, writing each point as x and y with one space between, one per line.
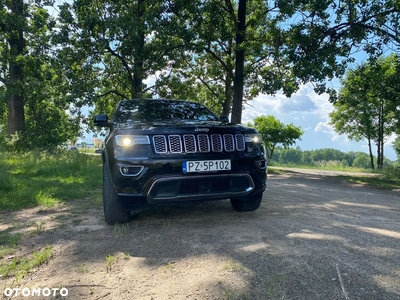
162 181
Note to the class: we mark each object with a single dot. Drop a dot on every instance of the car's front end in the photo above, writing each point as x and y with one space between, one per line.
164 164
165 151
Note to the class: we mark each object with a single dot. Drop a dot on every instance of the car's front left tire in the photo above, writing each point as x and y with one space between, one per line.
113 213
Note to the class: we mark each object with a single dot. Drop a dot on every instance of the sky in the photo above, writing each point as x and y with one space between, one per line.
310 111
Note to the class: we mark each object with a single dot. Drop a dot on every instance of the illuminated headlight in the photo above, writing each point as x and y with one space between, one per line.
253 138
130 140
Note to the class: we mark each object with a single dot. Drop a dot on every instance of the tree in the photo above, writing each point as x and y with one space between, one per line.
362 161
12 30
396 147
112 47
269 55
274 132
31 77
366 104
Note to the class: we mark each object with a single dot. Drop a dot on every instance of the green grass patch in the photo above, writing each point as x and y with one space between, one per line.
44 179
8 242
322 165
20 267
389 178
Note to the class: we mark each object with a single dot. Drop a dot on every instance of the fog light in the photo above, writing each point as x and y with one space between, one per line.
131 170
262 164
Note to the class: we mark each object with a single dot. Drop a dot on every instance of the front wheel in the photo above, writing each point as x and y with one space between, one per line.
113 212
249 205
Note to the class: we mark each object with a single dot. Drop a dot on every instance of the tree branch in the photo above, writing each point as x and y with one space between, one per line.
123 61
203 81
113 92
217 58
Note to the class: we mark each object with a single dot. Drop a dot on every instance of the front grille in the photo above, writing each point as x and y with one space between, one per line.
203 143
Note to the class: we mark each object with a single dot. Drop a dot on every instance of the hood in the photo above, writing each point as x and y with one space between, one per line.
181 127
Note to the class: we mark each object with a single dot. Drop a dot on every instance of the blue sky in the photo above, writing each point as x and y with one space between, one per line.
310 111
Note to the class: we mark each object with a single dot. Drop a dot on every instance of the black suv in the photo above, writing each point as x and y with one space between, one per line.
169 151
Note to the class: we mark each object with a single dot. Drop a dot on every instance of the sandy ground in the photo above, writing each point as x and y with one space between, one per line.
314 237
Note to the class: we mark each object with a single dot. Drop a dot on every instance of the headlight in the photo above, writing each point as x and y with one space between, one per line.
253 138
130 140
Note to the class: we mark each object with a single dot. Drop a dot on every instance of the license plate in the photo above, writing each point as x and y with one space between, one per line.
206 165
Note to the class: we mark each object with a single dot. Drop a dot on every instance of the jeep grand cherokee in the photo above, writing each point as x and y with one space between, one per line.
169 151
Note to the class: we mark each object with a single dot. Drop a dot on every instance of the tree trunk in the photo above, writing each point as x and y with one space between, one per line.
137 88
226 107
239 65
380 136
15 103
371 155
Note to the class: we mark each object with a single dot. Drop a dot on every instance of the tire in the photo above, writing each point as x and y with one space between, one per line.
249 205
113 213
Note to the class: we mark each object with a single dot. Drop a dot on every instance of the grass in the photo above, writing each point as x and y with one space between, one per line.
21 267
8 242
322 165
43 179
121 229
82 268
233 266
110 261
388 178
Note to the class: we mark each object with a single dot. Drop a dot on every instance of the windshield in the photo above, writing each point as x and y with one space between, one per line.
157 110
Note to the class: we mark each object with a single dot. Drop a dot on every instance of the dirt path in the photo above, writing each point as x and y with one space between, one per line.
314 237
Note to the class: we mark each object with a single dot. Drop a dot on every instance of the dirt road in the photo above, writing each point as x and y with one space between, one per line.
314 237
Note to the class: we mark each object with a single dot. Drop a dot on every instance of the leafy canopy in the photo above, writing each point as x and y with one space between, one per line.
274 132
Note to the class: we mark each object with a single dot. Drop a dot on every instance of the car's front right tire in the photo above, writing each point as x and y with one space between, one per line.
113 213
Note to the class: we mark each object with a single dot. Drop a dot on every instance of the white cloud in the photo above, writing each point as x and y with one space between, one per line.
327 129
324 127
304 101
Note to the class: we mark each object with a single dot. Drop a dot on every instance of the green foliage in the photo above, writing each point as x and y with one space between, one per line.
366 107
33 74
8 242
326 158
396 147
362 161
274 132
109 48
21 267
39 178
96 53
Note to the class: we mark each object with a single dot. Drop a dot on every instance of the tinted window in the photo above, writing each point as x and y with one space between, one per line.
156 110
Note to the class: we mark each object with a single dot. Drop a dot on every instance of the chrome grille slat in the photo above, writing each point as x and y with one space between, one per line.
203 143
160 144
175 143
239 139
229 142
216 143
189 142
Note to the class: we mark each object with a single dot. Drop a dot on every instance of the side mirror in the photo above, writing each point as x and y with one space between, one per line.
102 121
224 119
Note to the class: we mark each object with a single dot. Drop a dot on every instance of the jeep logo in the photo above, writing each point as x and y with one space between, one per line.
202 129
